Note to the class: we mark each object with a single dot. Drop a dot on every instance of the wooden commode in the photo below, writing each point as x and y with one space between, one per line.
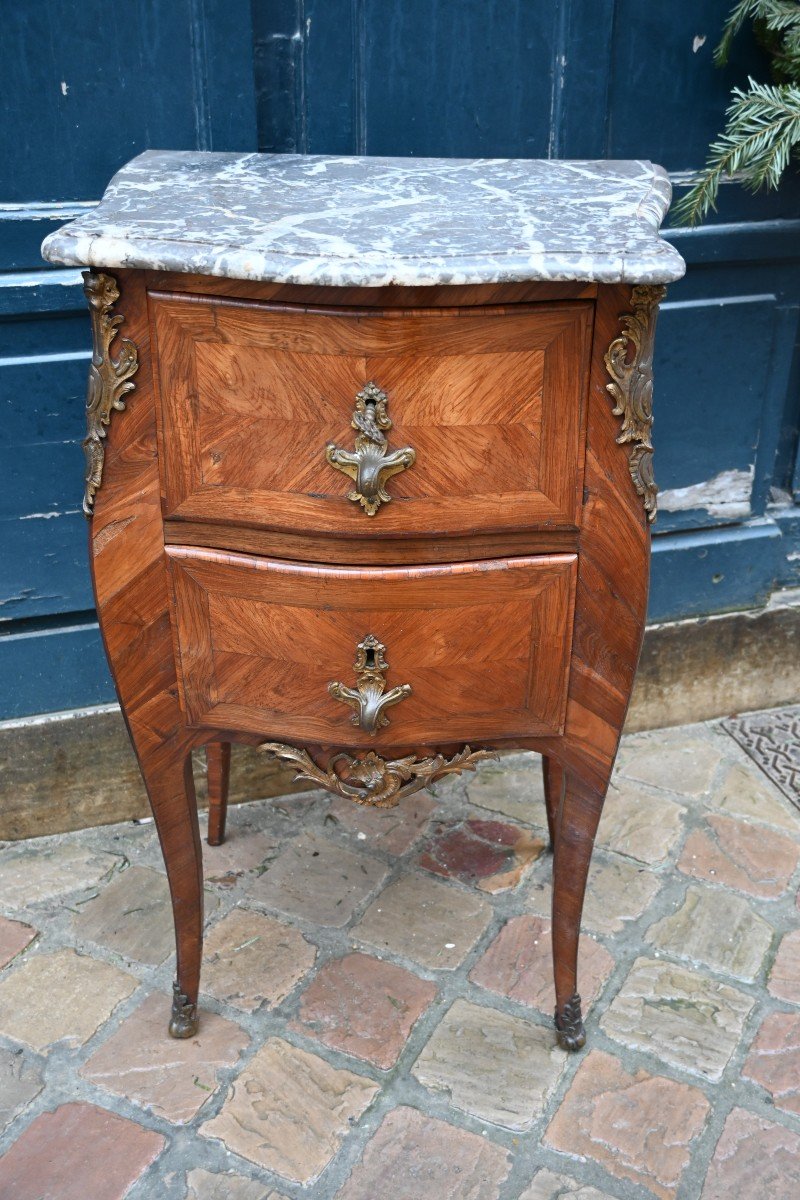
369 477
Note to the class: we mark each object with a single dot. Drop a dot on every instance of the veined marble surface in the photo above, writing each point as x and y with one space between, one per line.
369 222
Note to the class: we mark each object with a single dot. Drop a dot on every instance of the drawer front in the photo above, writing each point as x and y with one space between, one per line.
486 412
477 650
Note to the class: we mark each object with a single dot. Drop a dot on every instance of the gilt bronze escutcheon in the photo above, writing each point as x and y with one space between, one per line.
370 465
369 697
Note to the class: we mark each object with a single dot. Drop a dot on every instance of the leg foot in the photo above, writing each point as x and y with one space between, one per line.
569 1025
183 1023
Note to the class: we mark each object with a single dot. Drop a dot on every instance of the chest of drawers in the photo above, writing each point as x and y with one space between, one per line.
369 476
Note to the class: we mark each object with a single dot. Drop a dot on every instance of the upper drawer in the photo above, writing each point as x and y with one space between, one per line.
488 402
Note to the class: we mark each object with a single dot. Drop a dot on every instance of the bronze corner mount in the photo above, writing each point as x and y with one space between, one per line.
629 362
371 779
109 378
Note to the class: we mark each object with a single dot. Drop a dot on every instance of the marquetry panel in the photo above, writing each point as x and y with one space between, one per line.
492 400
484 646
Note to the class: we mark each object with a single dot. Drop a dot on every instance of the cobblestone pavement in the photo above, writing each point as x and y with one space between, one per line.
376 1013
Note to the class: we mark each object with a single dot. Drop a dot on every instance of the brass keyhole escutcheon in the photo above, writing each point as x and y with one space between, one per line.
370 465
369 697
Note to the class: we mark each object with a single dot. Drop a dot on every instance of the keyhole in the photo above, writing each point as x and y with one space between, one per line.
369 658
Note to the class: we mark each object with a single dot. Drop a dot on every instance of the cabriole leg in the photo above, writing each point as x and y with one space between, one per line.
581 807
553 774
218 760
167 772
132 593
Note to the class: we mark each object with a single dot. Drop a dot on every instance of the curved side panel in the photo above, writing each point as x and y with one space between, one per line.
130 582
610 611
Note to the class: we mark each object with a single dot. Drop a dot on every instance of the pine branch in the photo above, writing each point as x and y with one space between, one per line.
736 19
784 50
777 16
762 128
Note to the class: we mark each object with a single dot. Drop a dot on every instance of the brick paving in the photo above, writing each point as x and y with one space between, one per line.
376 1008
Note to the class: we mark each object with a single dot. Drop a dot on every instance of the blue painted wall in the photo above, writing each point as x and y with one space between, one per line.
85 87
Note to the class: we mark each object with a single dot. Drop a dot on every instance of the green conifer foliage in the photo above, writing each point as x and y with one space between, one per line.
762 126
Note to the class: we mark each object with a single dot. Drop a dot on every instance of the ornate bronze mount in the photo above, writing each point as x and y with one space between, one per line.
109 378
629 362
569 1025
370 465
371 779
183 1023
369 697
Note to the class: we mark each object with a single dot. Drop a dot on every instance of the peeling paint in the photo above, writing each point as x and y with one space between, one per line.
33 279
726 495
69 714
24 596
46 210
30 360
681 178
42 516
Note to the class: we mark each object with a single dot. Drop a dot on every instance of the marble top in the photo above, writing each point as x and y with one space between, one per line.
369 222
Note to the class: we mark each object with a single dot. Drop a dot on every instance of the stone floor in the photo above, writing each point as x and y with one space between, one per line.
377 999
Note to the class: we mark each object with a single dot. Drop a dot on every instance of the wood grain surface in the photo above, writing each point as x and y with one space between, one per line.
491 400
487 637
390 550
132 596
484 646
218 777
309 296
610 610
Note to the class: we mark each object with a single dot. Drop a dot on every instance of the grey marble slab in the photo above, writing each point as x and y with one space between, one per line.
368 222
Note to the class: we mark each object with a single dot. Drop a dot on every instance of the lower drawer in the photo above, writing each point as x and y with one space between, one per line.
417 655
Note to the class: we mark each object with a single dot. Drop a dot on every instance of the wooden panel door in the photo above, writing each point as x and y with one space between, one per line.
491 401
484 646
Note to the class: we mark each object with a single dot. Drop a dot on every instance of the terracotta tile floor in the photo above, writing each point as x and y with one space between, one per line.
377 1013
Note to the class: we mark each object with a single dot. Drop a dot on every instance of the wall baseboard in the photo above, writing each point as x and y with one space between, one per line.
717 666
72 770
